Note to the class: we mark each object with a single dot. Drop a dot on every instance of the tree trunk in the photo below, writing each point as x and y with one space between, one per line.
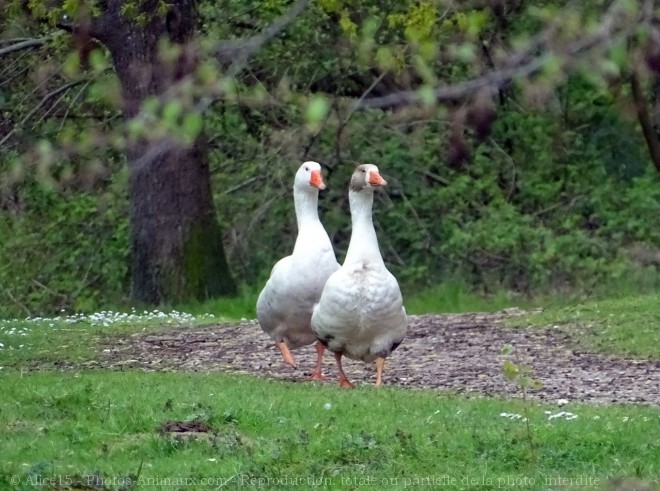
645 120
177 251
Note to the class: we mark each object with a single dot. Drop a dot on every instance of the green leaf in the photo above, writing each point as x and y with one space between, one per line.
192 126
476 21
619 53
150 105
384 58
609 67
317 109
428 51
510 370
347 25
135 128
427 95
370 27
466 52
97 60
45 149
507 349
71 66
207 73
329 5
71 7
171 112
552 65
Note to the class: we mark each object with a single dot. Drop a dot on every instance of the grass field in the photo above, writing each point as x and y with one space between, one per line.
103 430
628 326
68 426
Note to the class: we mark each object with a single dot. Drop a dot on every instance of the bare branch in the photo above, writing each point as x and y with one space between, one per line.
77 96
495 80
240 186
13 40
44 100
363 97
17 302
237 53
29 43
435 177
514 169
8 80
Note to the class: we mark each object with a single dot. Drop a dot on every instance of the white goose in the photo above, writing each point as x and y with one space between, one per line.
360 313
284 306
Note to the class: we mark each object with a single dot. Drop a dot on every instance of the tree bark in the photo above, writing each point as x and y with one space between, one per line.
176 247
645 120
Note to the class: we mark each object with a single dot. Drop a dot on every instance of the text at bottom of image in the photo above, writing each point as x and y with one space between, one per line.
310 481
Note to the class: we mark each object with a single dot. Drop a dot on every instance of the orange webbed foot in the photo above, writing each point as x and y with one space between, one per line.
286 354
317 376
346 384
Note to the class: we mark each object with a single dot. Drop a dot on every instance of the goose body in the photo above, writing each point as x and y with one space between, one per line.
285 304
360 313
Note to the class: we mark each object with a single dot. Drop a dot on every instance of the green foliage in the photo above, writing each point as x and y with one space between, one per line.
522 376
517 372
548 200
63 249
419 21
550 212
316 112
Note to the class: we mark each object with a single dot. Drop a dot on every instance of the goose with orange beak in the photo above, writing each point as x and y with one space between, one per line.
360 314
284 306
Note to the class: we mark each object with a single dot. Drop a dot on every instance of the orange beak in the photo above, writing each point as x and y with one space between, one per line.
375 179
317 180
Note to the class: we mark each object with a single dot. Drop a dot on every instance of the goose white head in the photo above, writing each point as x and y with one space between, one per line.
366 176
309 177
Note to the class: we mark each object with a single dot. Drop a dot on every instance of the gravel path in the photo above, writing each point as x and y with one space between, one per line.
461 353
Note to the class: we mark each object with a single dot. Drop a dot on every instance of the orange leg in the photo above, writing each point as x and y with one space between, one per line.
344 383
317 374
380 364
286 354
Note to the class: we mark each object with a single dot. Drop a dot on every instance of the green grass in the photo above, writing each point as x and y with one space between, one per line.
77 338
628 326
243 306
61 427
446 297
452 297
76 424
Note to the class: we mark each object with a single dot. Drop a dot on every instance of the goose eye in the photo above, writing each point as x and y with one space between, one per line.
363 171
307 168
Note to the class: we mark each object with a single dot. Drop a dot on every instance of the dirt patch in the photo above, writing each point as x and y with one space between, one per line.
194 426
461 353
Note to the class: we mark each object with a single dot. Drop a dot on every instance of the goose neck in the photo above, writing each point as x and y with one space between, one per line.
363 247
306 205
312 237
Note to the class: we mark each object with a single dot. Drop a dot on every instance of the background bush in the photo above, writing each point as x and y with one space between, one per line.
557 196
